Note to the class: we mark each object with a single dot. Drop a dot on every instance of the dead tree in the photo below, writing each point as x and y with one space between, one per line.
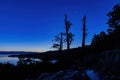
58 42
69 35
84 32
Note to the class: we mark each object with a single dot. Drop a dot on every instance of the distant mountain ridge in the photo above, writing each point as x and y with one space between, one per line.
16 52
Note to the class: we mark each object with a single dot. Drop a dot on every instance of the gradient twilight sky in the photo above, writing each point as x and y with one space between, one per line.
30 25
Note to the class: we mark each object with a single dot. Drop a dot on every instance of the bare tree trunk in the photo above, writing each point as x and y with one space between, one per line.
67 32
84 32
83 41
61 42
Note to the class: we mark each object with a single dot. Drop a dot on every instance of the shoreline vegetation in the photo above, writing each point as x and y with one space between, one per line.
36 69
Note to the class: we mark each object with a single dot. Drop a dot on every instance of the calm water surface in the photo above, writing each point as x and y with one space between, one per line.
14 60
92 75
5 59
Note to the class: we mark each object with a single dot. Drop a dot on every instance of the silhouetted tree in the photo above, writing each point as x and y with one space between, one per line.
100 41
69 36
82 54
84 31
111 40
95 40
114 18
59 38
114 25
102 34
58 42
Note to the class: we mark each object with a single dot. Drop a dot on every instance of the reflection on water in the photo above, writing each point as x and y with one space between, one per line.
92 75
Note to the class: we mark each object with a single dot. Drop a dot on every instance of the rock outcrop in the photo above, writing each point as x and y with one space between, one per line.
63 75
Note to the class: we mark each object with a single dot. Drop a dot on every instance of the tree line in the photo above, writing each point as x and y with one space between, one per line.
102 41
111 39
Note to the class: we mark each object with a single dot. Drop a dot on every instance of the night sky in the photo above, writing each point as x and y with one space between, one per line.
30 25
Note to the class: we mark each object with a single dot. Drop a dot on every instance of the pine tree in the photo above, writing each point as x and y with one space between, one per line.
114 18
114 25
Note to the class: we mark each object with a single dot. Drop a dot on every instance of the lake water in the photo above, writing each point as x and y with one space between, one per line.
14 60
6 59
92 75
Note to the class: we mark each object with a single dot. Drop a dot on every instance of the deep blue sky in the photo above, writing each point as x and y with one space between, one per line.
30 25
